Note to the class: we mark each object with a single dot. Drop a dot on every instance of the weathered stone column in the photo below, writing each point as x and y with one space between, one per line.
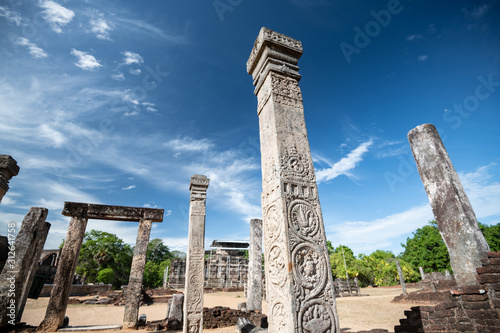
401 278
254 298
24 253
58 302
193 293
133 292
298 275
422 274
454 215
40 242
8 169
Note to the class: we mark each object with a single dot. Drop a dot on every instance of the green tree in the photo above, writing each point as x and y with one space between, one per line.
101 250
106 275
427 249
492 235
178 255
157 251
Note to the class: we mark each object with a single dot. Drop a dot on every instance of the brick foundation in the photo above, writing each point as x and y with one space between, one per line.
473 309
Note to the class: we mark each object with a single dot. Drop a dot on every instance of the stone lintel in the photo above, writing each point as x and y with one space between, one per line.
275 52
9 164
114 213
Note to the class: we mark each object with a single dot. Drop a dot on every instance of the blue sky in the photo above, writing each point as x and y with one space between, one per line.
121 102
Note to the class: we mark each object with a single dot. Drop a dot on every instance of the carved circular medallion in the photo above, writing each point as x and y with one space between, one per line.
310 268
279 318
317 317
277 266
304 218
273 225
295 165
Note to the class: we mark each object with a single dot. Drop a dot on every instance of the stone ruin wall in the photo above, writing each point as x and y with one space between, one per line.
474 309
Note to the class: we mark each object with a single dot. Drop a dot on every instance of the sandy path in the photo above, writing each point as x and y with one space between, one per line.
355 313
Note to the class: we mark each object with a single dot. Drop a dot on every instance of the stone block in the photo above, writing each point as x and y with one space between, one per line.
489 278
493 254
442 313
474 298
446 305
488 269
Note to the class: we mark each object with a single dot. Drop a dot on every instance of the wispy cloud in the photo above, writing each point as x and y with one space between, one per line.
477 12
11 16
144 27
118 76
483 193
128 187
85 61
189 144
33 49
423 57
365 236
135 71
345 164
56 15
131 58
414 37
100 26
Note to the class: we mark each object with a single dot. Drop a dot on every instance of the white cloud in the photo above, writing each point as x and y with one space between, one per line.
100 26
131 58
118 76
85 61
134 71
176 244
366 236
483 193
414 37
33 49
49 133
144 27
423 57
129 187
345 164
189 144
11 16
56 15
151 109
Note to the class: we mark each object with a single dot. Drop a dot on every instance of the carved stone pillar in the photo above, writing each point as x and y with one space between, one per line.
454 215
8 169
298 275
254 298
193 294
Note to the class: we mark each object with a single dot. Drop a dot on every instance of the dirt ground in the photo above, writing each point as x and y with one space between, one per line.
374 310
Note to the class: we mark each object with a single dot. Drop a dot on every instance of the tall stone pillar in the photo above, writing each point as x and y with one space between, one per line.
401 278
298 275
59 296
133 293
454 215
254 298
8 169
24 254
193 293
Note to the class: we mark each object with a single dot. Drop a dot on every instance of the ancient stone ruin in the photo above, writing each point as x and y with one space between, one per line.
254 299
80 213
193 293
299 282
8 169
18 272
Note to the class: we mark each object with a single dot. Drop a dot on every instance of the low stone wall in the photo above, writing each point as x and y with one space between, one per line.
77 289
224 317
473 309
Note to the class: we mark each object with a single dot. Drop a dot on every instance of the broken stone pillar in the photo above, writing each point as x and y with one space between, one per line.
454 215
59 296
8 169
23 255
254 298
40 242
136 274
193 293
401 278
165 277
421 272
298 275
174 315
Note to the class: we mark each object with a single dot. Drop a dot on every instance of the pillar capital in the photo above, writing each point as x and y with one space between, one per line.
274 52
198 187
8 169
